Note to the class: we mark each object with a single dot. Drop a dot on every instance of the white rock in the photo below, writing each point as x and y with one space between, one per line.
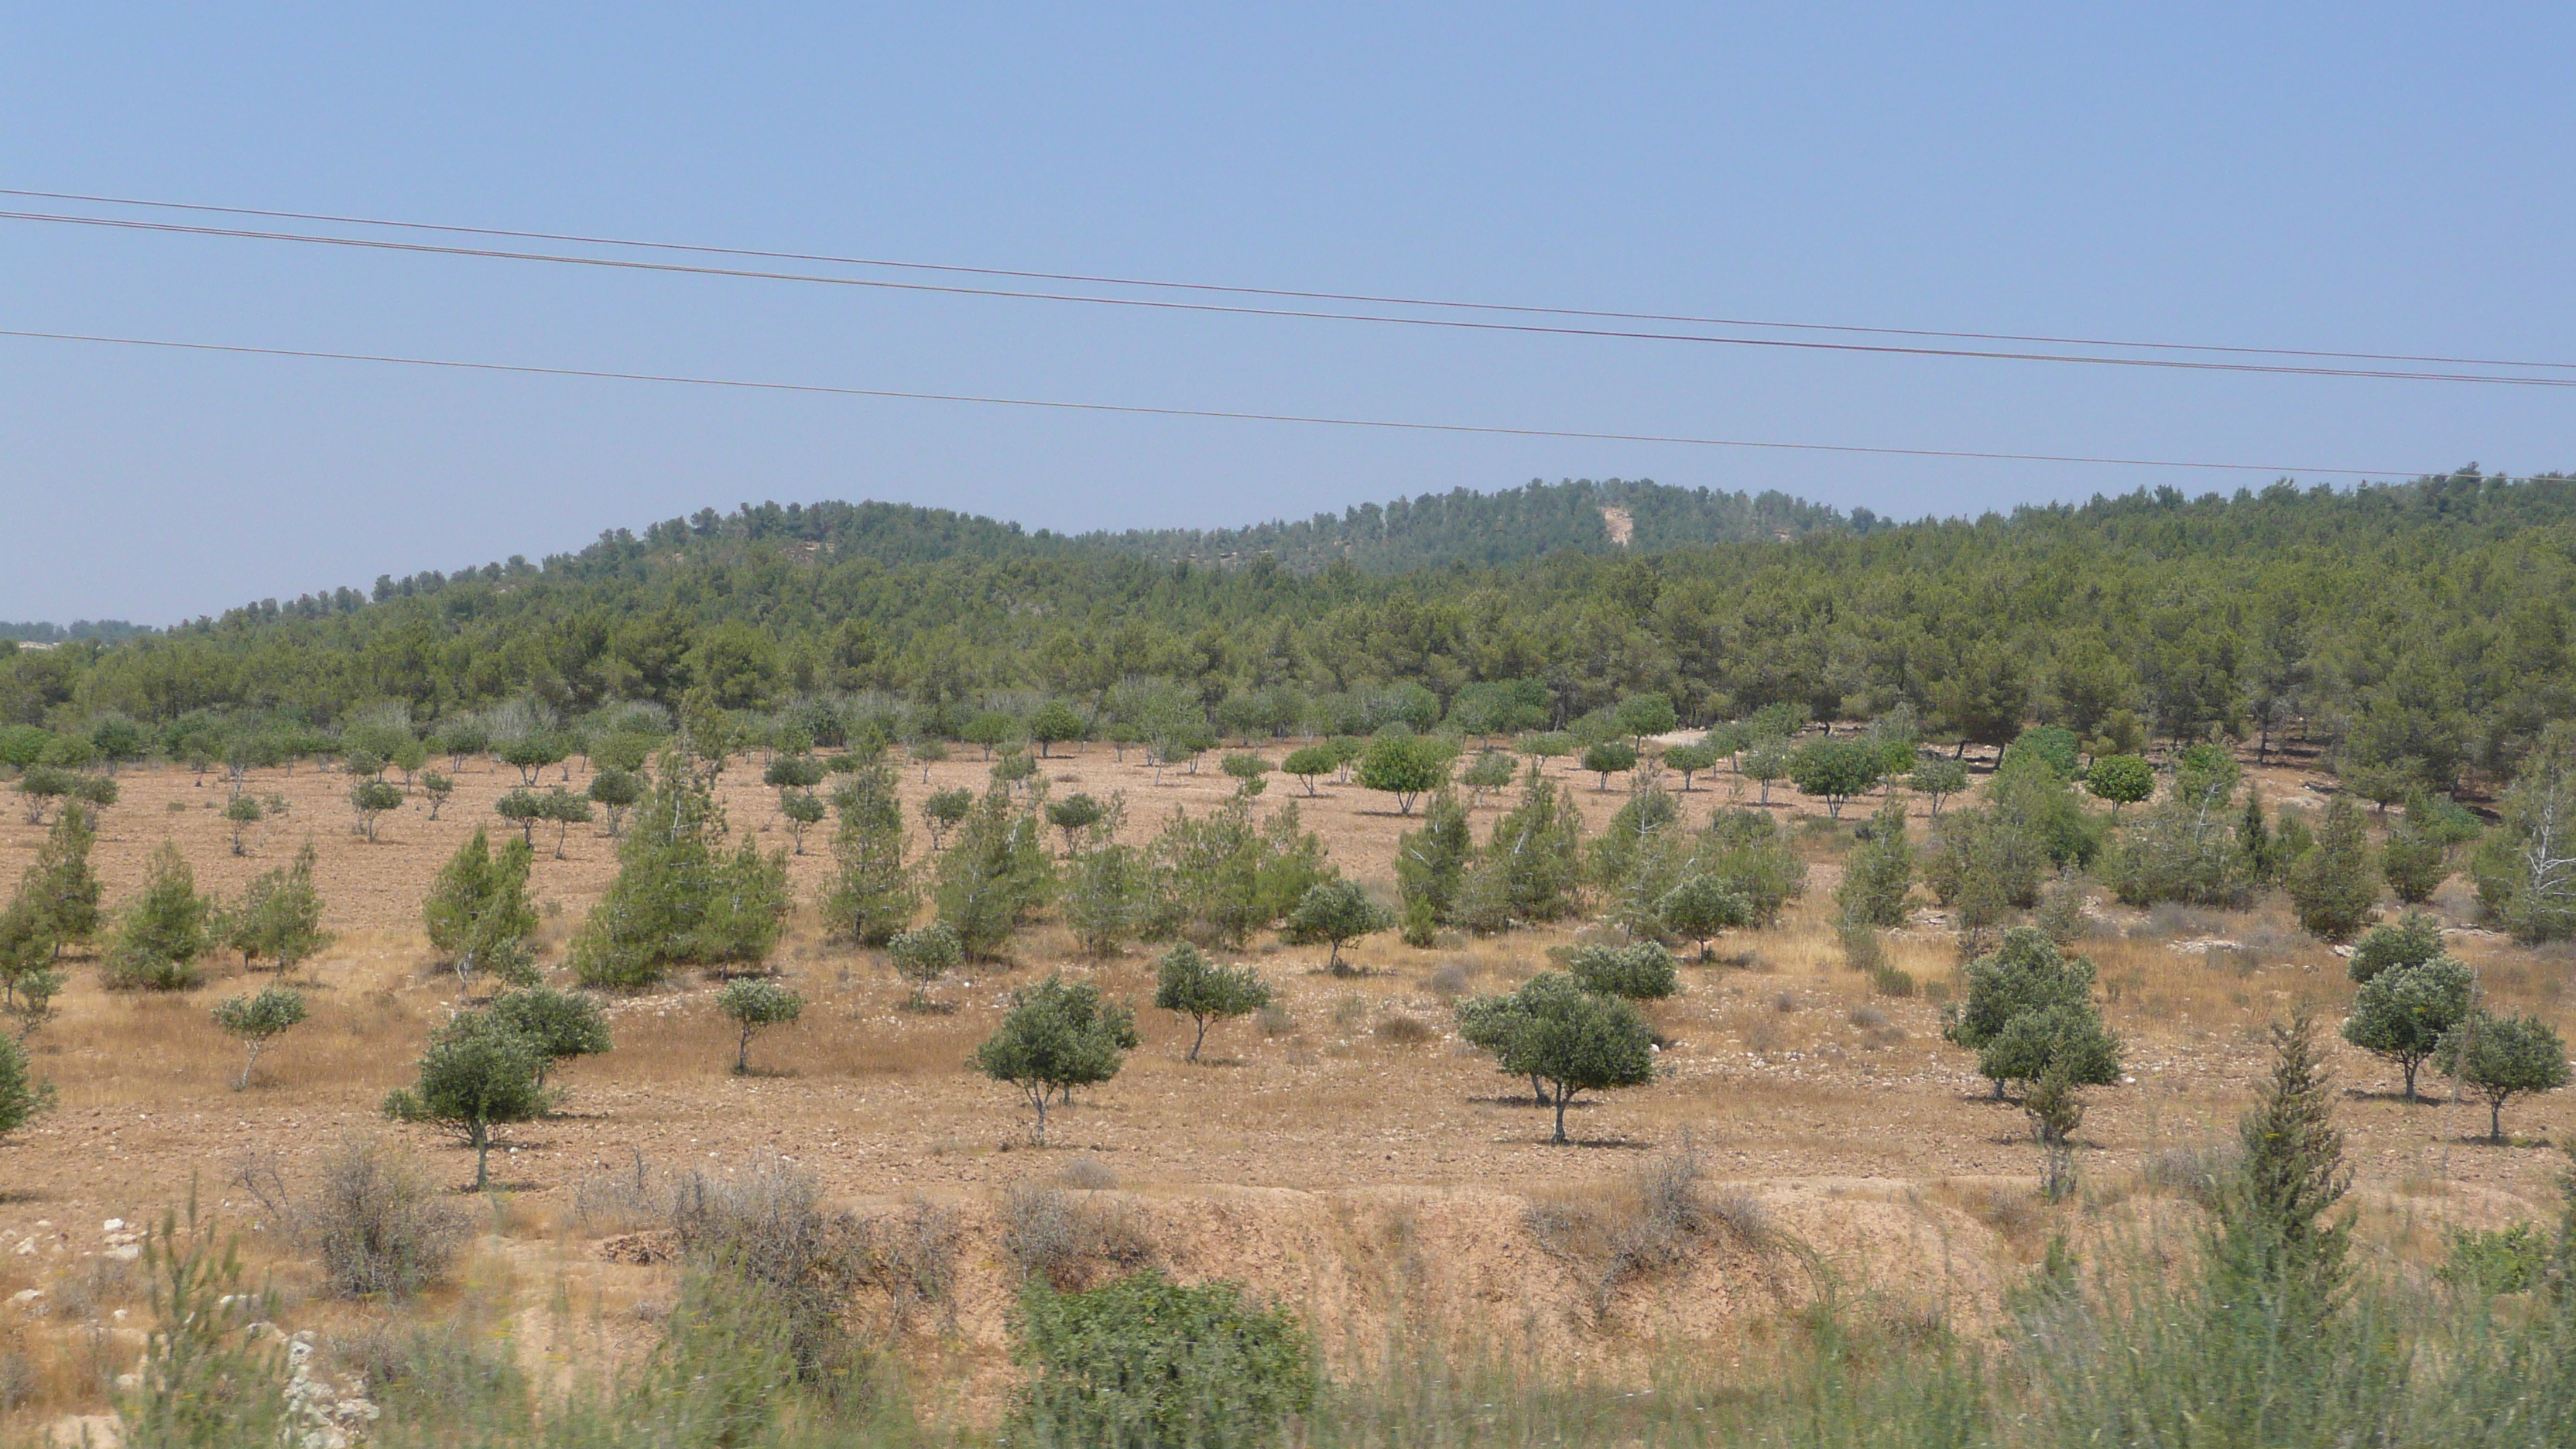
111 1225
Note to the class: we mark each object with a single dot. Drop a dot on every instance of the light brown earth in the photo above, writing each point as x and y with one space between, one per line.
1341 1163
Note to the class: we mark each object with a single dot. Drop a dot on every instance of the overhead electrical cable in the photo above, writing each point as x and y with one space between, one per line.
1290 293
823 389
1236 310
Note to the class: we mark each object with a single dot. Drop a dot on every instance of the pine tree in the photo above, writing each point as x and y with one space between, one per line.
2333 886
872 896
478 915
678 898
2269 1252
59 890
1878 872
1430 865
163 931
280 916
994 875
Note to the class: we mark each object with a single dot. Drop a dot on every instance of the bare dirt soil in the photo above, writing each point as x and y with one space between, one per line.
1353 1137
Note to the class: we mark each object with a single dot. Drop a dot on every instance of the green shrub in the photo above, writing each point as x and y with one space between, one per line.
1643 971
2489 1261
1145 1362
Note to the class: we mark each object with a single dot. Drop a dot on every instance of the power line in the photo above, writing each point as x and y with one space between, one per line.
823 389
1313 296
1160 304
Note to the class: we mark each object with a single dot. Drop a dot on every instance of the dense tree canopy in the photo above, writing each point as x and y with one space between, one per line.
2420 629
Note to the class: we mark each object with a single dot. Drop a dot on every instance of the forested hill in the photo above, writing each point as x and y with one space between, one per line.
1574 516
2423 629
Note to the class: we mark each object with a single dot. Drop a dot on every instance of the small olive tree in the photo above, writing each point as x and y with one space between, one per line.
478 1073
1189 983
2403 1012
256 1020
753 1005
922 956
1335 912
1055 1038
2501 1057
372 798
1564 1039
1700 907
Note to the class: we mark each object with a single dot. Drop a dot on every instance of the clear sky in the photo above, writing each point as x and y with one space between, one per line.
2372 177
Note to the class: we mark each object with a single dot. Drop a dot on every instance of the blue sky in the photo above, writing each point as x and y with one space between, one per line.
2368 177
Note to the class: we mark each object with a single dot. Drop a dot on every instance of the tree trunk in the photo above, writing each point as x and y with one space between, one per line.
2410 1083
1561 1096
2495 1121
742 1055
482 1140
1999 1088
1201 1039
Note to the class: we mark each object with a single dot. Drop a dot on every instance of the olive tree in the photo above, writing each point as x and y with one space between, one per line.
2025 975
2501 1058
479 1072
1692 760
1189 983
2120 779
1491 770
1056 1037
256 1020
1308 762
754 1005
242 812
1335 912
1937 780
1073 815
1699 907
1836 770
1246 771
1608 758
615 791
922 956
2403 1011
1564 1039
1055 723
802 809
563 1024
941 811
1405 766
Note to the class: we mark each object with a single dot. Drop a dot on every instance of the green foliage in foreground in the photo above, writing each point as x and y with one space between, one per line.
1143 1362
